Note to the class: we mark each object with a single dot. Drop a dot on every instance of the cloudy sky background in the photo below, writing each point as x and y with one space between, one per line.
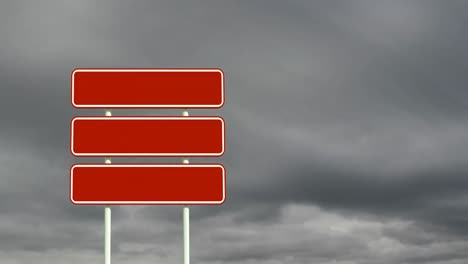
347 129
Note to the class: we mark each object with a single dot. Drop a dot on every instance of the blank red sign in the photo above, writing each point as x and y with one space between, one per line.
99 184
147 136
147 88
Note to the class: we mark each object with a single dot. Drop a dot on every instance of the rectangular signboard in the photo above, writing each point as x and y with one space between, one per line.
147 88
147 136
100 184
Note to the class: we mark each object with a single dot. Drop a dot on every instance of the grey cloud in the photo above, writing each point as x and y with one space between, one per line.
355 106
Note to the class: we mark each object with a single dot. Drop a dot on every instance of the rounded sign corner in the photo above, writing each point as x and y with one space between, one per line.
72 75
221 104
72 151
74 104
221 166
220 118
72 168
72 200
222 201
75 71
219 154
221 72
73 120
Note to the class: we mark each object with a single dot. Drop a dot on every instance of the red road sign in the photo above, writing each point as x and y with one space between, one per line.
99 184
147 88
147 136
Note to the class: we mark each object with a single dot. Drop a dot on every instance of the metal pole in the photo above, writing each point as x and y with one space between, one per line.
186 215
107 235
107 222
186 222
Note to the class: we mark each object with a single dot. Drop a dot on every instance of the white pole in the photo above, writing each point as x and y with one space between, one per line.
107 222
186 222
107 235
186 215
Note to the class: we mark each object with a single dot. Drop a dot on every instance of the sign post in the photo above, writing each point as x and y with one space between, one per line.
186 221
107 222
183 136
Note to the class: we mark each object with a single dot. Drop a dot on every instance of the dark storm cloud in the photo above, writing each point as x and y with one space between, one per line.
358 107
351 189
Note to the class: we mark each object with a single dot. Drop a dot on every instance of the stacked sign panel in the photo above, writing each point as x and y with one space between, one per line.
147 136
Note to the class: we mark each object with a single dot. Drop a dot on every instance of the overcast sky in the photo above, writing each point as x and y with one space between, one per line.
347 129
